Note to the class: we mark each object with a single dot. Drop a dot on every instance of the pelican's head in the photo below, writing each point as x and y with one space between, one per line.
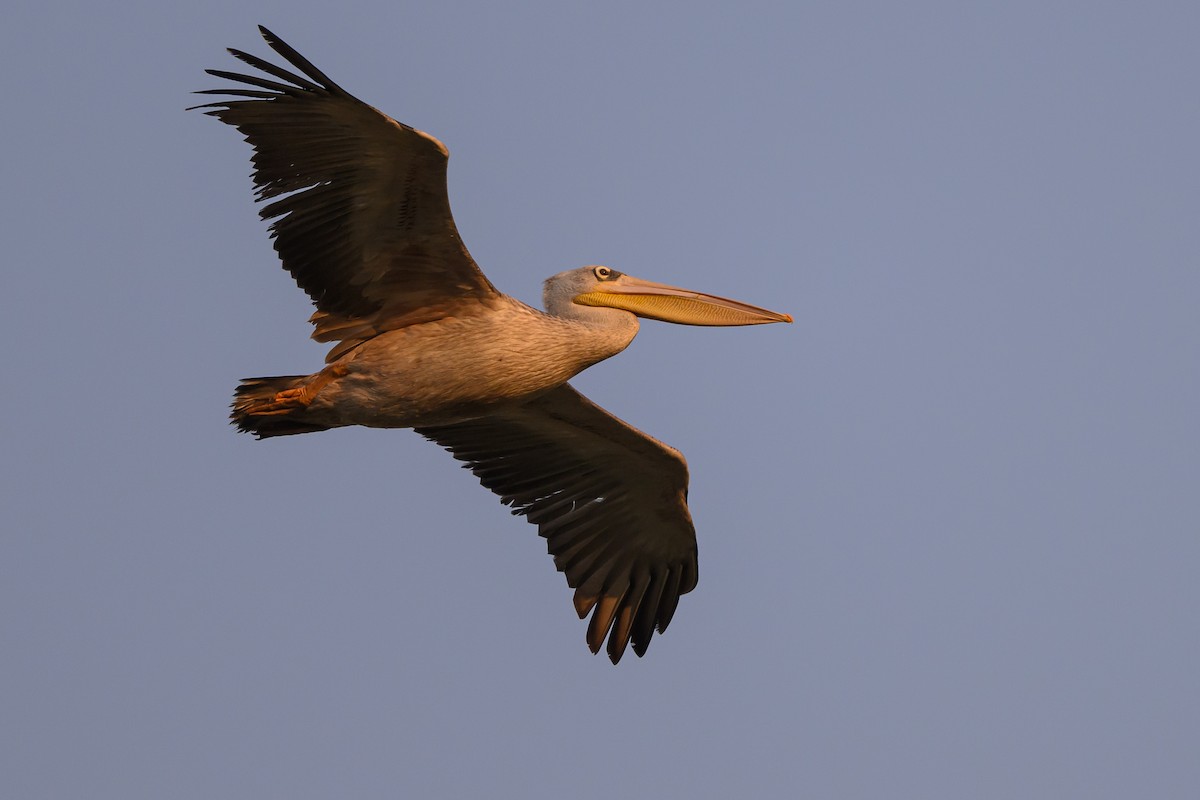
603 287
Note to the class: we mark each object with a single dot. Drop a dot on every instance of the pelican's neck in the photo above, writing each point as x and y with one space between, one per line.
584 335
598 331
606 331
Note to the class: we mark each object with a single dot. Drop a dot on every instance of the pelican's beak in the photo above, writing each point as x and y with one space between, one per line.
682 306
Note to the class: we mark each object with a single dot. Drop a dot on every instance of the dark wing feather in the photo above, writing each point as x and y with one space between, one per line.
362 219
610 501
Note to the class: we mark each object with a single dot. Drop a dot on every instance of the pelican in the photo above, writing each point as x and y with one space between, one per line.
361 219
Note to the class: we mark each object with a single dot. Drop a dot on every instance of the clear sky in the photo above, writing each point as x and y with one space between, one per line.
949 521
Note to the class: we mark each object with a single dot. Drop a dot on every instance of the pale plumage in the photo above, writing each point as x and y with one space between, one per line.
362 221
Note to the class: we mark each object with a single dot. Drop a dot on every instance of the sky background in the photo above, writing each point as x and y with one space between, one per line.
949 521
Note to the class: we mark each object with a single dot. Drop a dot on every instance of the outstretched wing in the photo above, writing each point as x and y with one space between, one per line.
610 501
362 220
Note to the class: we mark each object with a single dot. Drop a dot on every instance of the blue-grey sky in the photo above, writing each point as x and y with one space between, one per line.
949 521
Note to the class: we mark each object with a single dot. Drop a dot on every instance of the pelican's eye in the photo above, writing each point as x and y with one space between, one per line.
605 274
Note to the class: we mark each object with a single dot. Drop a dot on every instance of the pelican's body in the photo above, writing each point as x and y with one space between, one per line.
423 340
460 367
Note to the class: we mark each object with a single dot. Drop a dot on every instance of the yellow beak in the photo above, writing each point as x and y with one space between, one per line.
682 306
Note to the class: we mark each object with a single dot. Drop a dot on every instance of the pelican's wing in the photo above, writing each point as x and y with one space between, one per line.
610 501
363 220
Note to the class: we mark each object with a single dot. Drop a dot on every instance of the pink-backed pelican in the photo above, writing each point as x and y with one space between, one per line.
361 220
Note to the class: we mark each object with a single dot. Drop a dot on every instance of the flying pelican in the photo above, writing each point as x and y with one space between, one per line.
361 220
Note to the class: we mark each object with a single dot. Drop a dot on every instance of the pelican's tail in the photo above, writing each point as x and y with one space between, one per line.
274 406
